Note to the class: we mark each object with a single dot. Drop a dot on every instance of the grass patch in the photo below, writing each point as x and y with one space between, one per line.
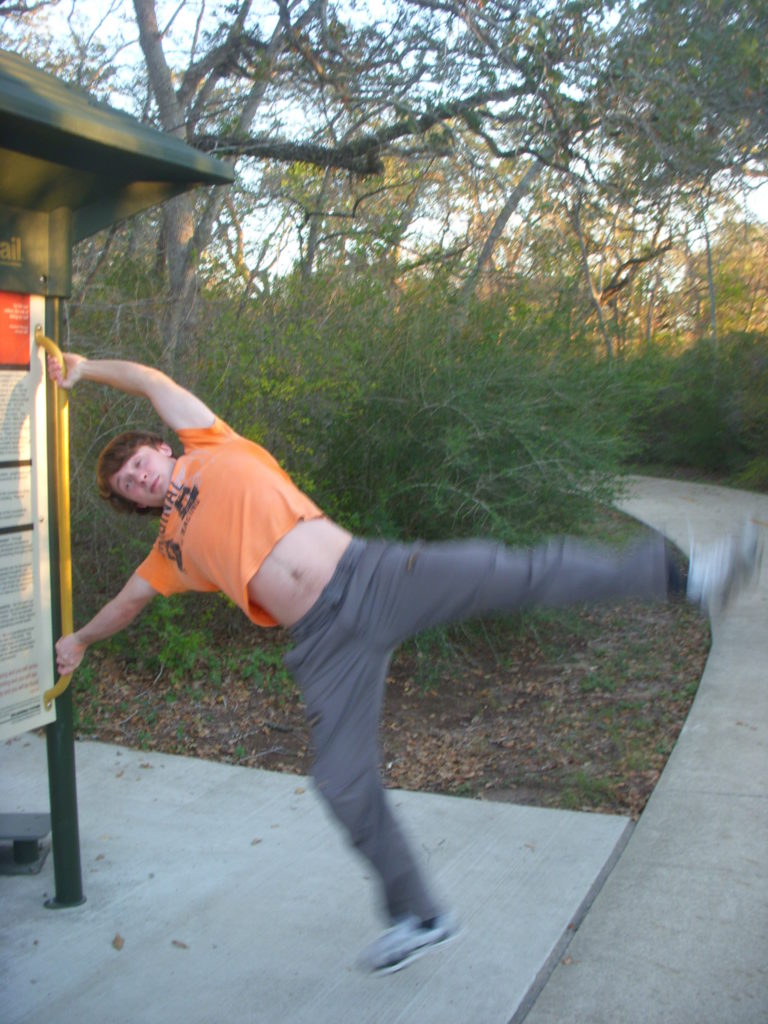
581 790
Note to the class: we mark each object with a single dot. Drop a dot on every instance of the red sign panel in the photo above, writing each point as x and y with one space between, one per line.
14 330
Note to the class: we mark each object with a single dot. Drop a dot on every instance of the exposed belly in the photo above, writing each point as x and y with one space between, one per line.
297 568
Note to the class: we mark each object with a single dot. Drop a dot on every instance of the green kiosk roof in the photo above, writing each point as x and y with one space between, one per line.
60 149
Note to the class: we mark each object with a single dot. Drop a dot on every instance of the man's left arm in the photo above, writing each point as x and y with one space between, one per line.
178 408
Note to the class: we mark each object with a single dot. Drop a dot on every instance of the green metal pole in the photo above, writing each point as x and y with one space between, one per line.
60 737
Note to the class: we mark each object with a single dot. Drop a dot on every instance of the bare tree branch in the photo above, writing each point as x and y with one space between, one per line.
362 156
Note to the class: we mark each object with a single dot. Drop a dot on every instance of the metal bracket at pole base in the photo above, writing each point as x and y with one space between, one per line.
54 904
25 855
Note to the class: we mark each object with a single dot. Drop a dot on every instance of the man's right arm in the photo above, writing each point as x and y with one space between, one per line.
177 408
114 616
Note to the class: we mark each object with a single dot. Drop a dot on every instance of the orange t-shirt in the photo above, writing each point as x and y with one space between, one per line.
229 503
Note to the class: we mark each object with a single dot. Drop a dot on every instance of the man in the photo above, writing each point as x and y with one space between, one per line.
232 520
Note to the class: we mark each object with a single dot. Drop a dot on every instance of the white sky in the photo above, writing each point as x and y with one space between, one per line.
758 202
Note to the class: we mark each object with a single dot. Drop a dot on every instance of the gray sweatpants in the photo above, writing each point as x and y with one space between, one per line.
382 593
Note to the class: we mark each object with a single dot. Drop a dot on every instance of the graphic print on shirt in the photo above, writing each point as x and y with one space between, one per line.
183 500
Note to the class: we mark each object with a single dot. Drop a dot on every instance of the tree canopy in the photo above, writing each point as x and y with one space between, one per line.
430 132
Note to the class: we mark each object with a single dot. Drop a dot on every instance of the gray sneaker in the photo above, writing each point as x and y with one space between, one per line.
406 941
719 571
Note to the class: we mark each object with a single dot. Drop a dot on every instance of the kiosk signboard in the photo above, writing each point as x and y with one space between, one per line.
26 642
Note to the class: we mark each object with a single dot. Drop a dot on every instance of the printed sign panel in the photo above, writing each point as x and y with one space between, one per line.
26 641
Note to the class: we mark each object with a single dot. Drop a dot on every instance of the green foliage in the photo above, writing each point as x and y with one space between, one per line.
84 685
582 790
431 434
432 651
704 408
164 643
184 642
600 681
392 421
697 74
264 667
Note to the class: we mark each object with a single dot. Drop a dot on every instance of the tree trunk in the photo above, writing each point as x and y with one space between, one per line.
710 284
518 193
593 292
184 238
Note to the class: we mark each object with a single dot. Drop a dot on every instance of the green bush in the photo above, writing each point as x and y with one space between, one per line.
704 408
461 436
166 643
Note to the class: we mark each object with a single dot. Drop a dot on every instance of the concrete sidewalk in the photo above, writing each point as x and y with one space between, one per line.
679 933
234 898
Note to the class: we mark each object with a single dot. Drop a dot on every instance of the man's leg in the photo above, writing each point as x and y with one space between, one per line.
400 590
342 682
362 805
346 773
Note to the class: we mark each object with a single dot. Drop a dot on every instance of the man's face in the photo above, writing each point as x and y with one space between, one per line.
145 476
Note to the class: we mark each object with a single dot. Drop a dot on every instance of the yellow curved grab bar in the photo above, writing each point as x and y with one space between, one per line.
62 507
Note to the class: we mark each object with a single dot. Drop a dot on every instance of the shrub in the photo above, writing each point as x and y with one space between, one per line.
704 408
474 436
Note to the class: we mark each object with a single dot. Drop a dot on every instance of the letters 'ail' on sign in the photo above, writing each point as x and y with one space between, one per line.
26 641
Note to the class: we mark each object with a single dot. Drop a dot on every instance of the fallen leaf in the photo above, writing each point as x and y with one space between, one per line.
118 942
179 944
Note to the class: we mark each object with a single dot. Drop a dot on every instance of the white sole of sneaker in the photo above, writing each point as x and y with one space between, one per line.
416 954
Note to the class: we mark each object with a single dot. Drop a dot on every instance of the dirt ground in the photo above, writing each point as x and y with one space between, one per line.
578 709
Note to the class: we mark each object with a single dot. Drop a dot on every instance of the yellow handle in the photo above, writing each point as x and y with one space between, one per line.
62 507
